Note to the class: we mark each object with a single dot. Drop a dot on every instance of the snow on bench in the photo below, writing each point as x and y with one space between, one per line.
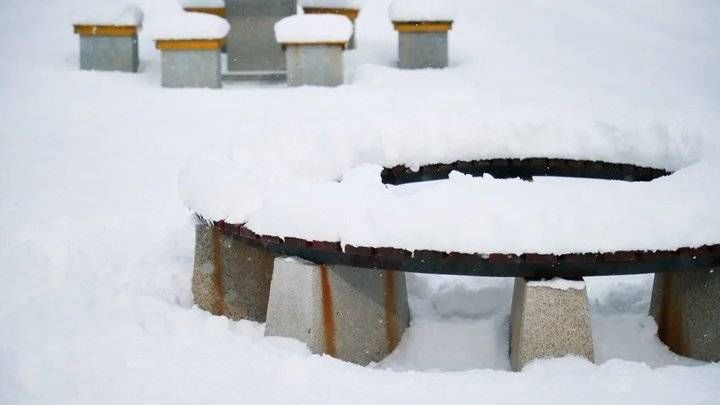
108 38
191 26
421 10
313 29
347 8
313 46
422 26
468 215
127 15
190 43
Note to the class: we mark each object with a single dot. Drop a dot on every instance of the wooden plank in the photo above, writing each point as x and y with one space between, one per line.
105 30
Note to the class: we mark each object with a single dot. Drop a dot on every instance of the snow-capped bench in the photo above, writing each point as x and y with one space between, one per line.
348 8
314 46
422 27
108 40
213 7
190 45
355 234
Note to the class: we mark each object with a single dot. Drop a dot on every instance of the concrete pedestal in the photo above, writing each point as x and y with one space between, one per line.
548 322
230 277
191 68
191 63
314 64
353 314
686 307
422 44
420 50
108 48
251 45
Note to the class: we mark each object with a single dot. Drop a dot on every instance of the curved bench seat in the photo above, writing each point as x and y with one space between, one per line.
569 258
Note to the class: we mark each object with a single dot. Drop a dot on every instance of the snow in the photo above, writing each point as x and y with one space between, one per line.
191 26
558 284
313 28
96 248
422 10
342 4
202 3
118 15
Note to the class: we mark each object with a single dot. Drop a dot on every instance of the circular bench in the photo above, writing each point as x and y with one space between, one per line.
332 295
496 264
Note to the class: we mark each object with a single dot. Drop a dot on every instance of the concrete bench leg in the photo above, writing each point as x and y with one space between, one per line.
686 307
109 53
350 313
420 50
314 65
191 68
548 322
230 277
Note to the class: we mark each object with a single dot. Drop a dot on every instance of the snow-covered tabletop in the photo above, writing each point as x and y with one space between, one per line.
314 29
421 11
190 26
101 15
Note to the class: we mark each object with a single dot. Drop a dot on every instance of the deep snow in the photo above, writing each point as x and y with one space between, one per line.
96 247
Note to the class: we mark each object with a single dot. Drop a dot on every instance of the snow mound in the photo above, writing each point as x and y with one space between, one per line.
202 3
191 26
558 284
125 15
348 4
313 28
421 10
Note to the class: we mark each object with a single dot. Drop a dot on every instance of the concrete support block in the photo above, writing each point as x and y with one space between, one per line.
314 64
686 307
191 68
109 52
549 321
353 314
230 277
420 50
251 45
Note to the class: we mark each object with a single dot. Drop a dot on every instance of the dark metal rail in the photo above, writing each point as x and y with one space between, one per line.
524 169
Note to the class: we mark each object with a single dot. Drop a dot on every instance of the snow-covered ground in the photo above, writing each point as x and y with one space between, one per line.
96 247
